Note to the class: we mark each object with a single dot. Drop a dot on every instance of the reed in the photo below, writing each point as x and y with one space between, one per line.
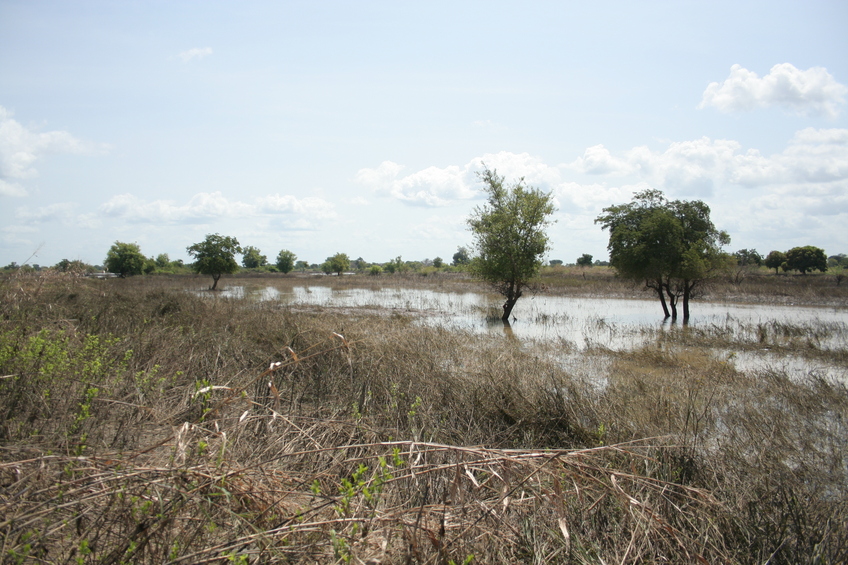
146 424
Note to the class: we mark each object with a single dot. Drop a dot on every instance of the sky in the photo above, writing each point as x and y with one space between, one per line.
359 127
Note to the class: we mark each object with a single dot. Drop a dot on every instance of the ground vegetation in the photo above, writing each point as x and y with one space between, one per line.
143 423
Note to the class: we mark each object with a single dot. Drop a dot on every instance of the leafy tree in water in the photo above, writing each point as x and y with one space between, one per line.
774 260
671 245
510 236
253 258
338 263
806 258
125 259
585 260
215 256
286 261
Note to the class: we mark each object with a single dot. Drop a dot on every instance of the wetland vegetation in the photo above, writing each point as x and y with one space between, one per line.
147 421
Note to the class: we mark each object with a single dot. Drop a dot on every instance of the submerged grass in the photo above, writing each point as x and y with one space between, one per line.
145 424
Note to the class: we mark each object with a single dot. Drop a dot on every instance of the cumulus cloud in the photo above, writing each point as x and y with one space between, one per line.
201 207
698 166
438 187
206 207
21 147
311 207
196 53
810 92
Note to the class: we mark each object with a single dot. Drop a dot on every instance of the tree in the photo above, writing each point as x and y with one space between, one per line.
510 237
253 258
338 263
162 261
301 265
585 260
774 260
286 261
461 257
672 246
745 257
125 259
215 256
438 262
806 258
396 265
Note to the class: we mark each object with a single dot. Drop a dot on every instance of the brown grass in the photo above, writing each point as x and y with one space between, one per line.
145 424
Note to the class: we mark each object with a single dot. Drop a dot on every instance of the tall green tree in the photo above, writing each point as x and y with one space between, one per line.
585 260
286 261
745 257
215 256
461 257
510 236
338 263
125 259
775 260
672 246
252 258
807 258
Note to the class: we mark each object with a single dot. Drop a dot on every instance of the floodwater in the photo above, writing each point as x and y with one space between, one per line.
581 323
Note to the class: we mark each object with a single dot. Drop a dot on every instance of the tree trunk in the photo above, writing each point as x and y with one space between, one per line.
507 308
512 296
662 301
215 283
672 301
686 291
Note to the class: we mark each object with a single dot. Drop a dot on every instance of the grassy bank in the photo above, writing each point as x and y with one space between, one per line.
140 423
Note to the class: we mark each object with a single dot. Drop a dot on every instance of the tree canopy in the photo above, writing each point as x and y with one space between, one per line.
215 256
124 259
775 260
510 237
338 263
461 257
286 261
672 246
585 260
807 258
252 258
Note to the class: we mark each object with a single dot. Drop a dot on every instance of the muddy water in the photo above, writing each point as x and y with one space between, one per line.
581 323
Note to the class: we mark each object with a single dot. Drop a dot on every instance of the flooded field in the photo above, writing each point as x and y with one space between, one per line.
752 337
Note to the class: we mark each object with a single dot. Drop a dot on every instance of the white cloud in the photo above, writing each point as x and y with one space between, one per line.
196 53
438 187
810 92
431 187
311 206
598 160
698 166
204 207
20 148
11 189
61 213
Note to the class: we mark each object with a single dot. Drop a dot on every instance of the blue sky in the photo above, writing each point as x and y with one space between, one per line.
357 127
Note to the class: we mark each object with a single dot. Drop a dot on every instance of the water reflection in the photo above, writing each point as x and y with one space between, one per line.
617 324
566 327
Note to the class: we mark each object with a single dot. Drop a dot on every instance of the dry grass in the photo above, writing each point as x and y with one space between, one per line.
145 424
